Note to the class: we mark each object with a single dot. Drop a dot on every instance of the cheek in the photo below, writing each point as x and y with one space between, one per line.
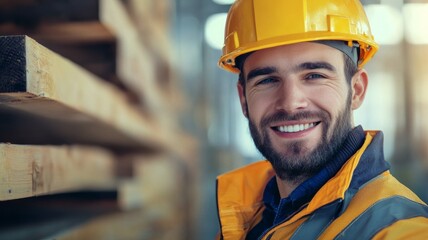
332 102
258 107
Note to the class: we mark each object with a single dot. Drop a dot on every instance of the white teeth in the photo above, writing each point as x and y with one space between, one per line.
295 128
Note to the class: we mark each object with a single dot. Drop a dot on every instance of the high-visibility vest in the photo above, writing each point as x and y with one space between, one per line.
380 208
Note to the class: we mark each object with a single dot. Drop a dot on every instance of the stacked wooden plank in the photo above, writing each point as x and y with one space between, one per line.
82 108
28 170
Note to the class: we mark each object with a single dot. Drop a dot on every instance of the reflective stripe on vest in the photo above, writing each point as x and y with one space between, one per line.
317 222
323 217
381 215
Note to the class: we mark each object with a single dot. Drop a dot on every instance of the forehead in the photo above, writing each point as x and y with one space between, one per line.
294 54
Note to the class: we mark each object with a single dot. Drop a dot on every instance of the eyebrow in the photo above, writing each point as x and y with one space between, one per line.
314 65
260 72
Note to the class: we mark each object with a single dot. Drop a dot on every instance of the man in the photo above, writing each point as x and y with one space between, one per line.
300 77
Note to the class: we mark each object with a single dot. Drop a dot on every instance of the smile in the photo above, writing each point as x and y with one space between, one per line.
296 127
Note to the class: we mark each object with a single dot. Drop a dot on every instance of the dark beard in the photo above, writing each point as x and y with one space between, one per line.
297 164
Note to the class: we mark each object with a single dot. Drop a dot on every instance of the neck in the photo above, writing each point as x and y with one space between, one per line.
286 187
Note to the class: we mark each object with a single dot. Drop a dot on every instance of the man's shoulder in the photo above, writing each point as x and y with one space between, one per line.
252 168
252 176
381 208
385 186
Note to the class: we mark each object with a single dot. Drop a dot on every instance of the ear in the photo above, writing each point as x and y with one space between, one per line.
242 99
359 85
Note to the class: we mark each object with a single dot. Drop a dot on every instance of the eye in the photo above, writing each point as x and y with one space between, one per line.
314 76
267 80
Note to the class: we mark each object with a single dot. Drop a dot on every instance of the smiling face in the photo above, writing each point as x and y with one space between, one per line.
299 105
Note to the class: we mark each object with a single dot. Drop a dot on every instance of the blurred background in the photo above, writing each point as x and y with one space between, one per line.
181 120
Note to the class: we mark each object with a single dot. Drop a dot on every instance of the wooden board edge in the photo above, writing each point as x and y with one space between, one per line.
49 75
29 170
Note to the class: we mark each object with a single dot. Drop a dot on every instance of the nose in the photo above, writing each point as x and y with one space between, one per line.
291 96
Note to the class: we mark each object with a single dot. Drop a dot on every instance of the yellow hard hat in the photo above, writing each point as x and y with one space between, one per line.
258 24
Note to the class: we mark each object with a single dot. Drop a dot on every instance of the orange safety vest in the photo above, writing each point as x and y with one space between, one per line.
382 208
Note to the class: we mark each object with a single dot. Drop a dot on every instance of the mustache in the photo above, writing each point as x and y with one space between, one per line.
284 116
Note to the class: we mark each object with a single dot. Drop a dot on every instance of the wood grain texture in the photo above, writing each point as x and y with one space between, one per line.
55 88
49 75
27 170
